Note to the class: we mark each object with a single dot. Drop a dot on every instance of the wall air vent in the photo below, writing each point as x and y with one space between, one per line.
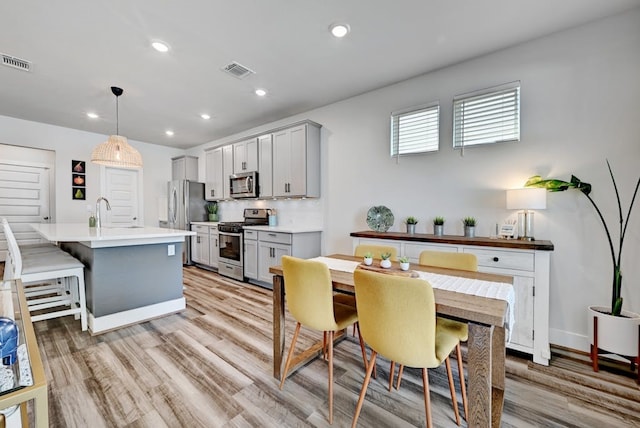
237 70
14 62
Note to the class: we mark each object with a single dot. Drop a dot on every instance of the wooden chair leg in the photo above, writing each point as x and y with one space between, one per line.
452 389
400 371
331 333
324 345
427 398
364 353
290 354
365 385
463 387
392 368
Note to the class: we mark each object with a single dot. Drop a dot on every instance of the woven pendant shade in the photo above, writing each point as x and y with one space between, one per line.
116 152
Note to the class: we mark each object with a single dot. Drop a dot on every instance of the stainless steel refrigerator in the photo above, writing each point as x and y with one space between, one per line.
186 204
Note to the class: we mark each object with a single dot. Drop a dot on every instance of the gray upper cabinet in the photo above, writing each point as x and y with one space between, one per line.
265 166
184 168
245 156
296 161
213 185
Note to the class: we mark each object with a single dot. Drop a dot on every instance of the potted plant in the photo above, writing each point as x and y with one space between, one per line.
385 262
411 224
469 226
368 258
404 263
438 226
212 209
617 330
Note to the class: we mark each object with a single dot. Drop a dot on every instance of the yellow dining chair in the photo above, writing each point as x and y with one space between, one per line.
450 260
309 297
397 318
376 251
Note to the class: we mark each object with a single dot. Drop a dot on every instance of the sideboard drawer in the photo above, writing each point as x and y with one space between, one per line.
503 259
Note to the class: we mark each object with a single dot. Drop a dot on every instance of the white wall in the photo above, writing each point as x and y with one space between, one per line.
71 144
580 105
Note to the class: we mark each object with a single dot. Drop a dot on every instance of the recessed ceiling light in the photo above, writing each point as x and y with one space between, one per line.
92 115
160 46
339 30
205 116
261 92
169 133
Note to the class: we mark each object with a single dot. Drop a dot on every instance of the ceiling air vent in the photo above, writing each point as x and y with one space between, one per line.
14 62
237 70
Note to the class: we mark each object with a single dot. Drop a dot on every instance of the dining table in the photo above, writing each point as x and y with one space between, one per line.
486 317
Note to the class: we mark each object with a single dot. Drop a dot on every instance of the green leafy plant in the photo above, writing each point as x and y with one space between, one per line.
554 185
403 259
411 220
212 207
469 221
368 255
438 221
385 256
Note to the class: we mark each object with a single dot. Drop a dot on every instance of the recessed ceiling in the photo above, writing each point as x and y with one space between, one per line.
77 49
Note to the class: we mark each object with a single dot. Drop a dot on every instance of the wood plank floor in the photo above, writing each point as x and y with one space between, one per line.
210 366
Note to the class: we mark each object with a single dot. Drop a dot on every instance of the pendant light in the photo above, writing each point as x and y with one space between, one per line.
116 151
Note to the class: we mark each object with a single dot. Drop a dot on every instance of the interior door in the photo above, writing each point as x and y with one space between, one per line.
122 187
24 199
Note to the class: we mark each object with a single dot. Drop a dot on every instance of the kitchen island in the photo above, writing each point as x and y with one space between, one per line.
132 274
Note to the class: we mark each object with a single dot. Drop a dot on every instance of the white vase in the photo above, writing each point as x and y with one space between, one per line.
404 266
368 261
386 264
618 335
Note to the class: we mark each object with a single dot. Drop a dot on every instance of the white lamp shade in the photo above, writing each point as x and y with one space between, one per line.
529 198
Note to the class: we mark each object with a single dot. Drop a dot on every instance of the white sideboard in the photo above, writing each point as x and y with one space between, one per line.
527 262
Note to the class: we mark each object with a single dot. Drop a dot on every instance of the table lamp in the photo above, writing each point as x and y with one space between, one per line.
526 199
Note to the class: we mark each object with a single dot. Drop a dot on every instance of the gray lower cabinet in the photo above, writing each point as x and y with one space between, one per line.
271 246
204 246
251 254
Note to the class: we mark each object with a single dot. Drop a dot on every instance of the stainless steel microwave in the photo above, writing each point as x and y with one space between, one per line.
244 185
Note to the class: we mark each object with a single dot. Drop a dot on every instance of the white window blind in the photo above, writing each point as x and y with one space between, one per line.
415 130
490 116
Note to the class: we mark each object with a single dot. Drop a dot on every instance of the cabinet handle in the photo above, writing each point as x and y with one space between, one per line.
213 192
216 243
272 234
197 239
495 259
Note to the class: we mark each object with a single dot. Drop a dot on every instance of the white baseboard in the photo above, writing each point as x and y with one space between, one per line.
133 316
579 342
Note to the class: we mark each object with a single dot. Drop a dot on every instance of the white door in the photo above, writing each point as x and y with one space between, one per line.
24 198
122 187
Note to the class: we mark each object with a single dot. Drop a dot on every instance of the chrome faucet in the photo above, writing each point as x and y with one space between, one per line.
98 209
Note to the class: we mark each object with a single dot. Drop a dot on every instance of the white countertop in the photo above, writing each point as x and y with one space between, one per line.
292 228
107 236
205 223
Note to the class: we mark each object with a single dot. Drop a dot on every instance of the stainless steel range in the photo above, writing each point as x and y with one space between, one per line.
231 245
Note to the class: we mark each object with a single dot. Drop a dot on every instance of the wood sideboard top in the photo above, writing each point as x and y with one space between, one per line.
457 240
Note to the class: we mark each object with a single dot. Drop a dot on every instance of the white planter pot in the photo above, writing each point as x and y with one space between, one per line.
368 261
385 264
404 266
618 335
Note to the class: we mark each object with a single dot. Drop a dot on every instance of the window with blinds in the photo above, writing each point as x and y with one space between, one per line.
415 130
486 117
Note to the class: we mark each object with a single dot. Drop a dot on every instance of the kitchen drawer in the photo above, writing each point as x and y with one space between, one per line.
275 237
251 235
213 229
517 260
199 229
